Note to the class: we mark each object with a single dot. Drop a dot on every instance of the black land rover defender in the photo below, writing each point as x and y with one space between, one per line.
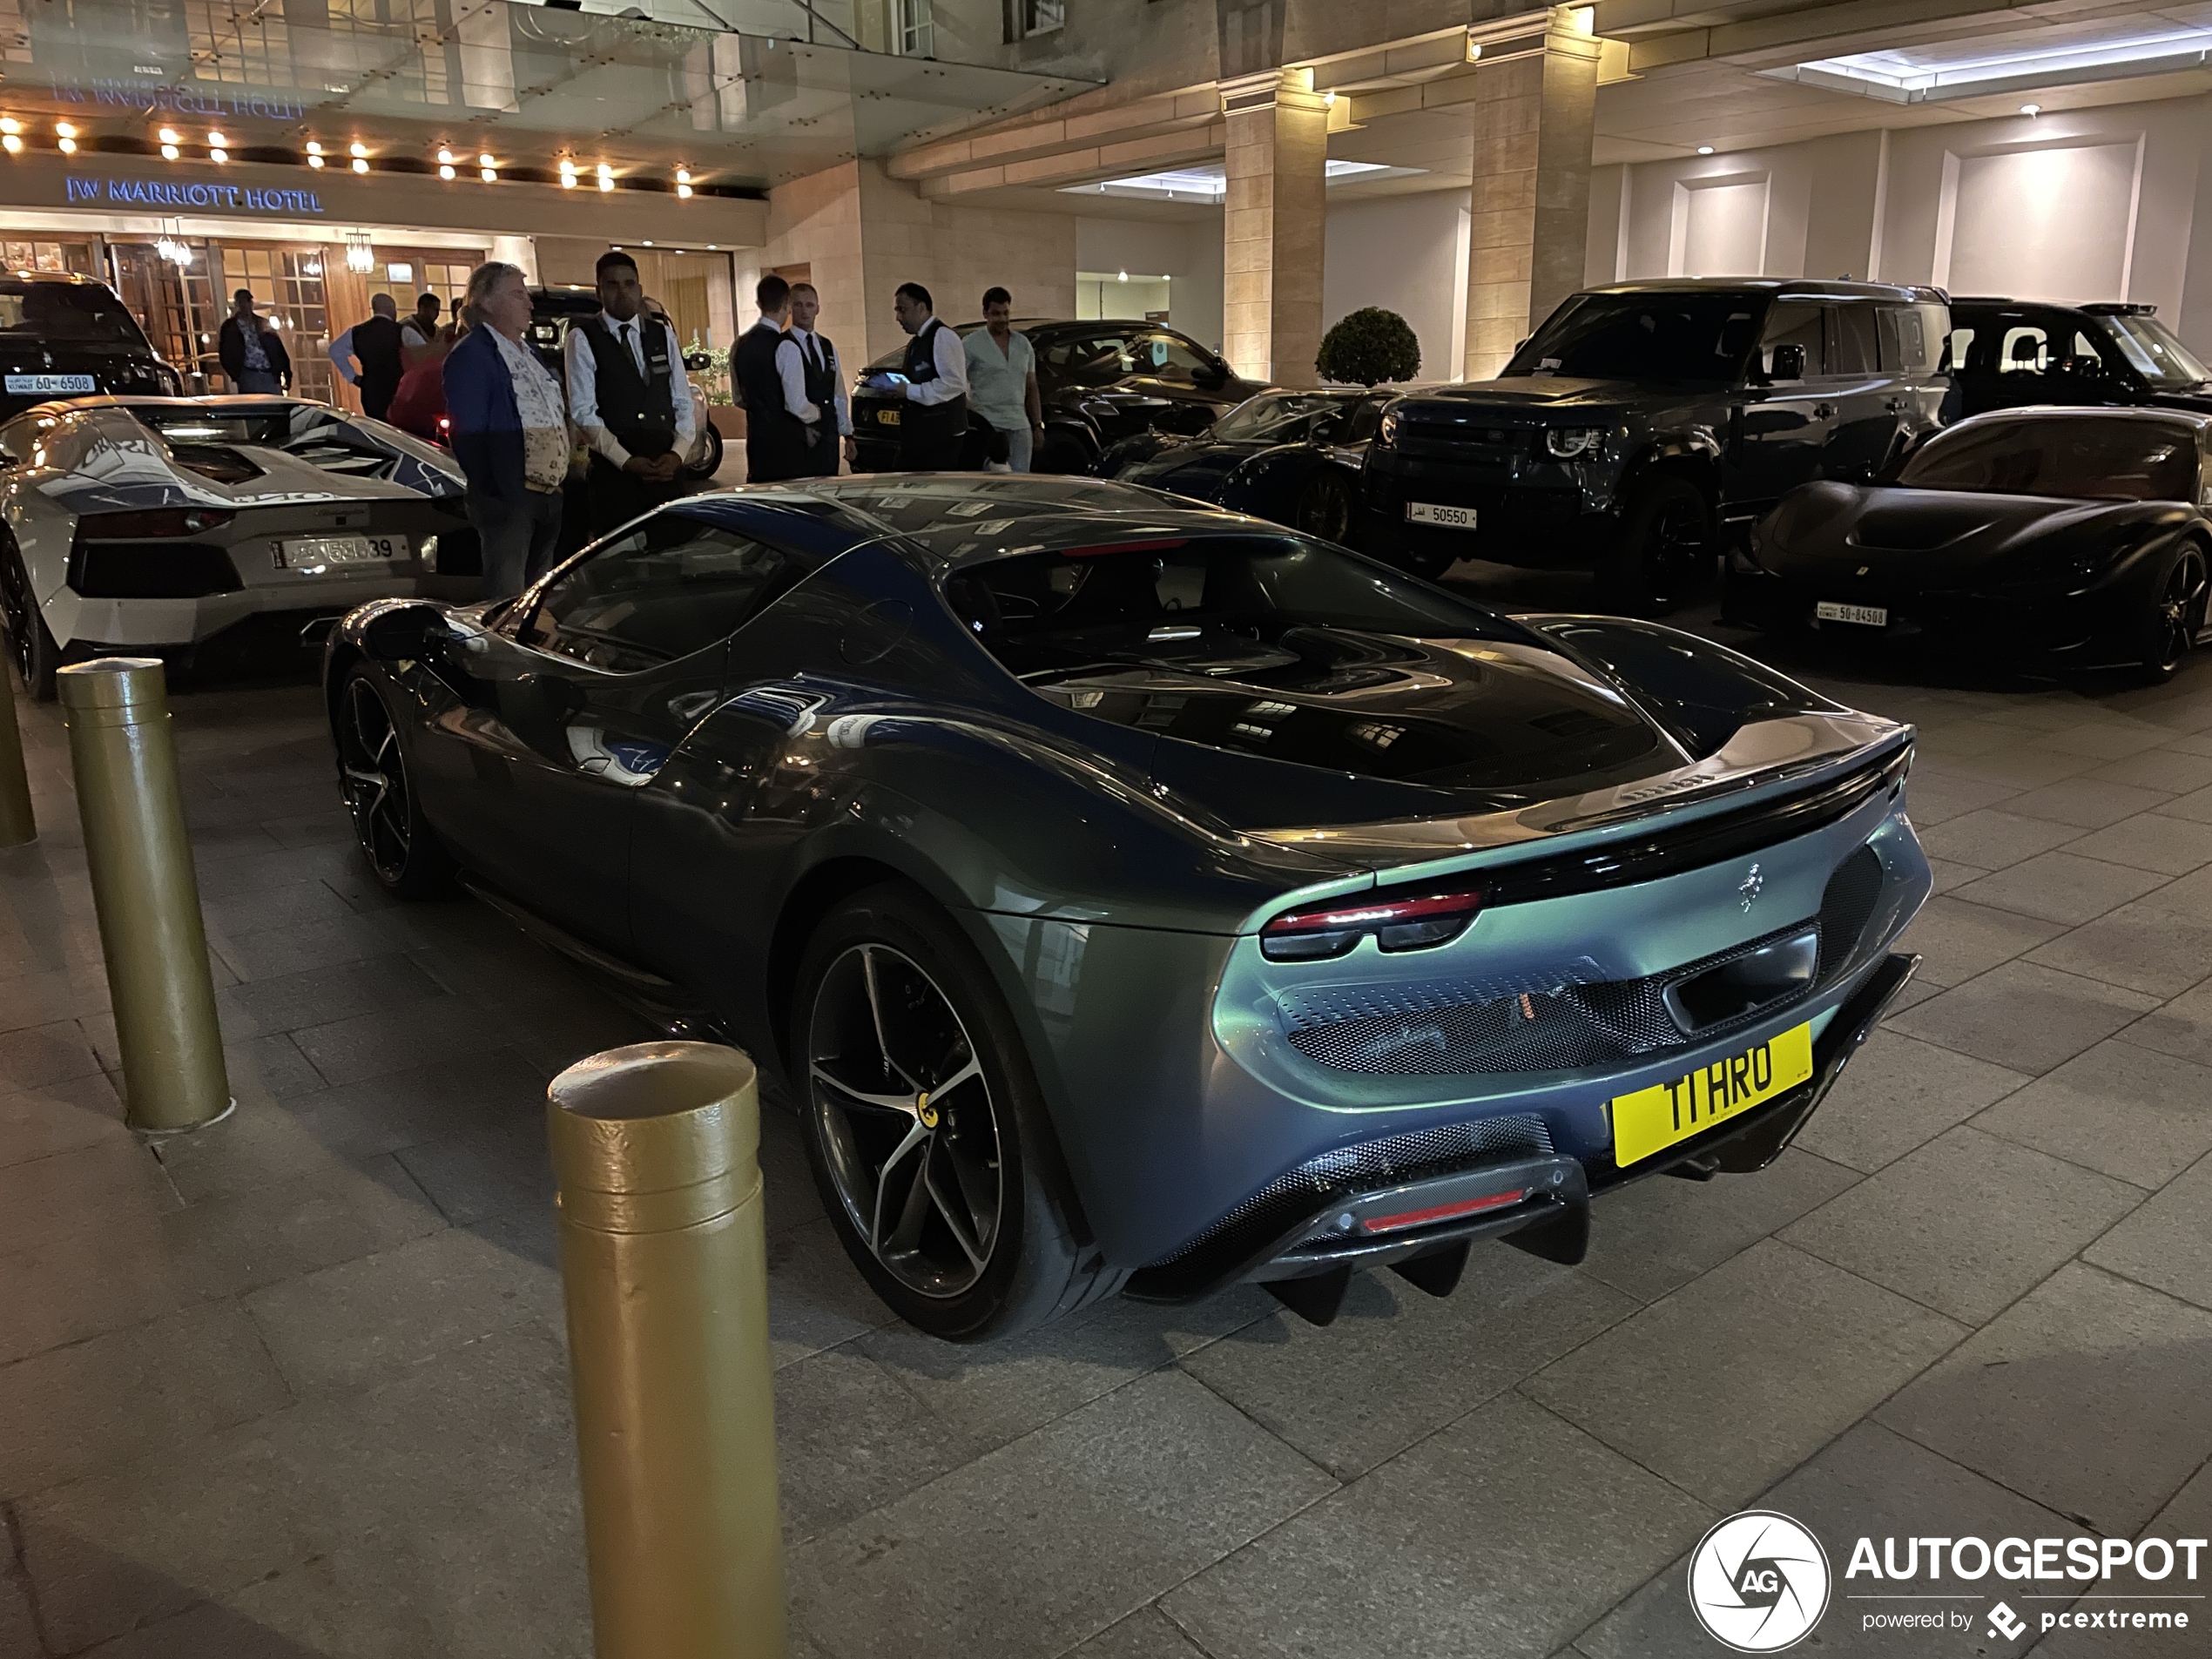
1646 424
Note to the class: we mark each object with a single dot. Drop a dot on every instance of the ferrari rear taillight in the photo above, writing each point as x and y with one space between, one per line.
158 524
1414 922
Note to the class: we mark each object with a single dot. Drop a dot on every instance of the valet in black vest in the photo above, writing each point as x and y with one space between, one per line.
775 440
375 345
933 425
807 363
628 397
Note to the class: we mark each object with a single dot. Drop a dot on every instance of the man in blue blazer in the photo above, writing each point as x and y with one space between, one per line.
510 431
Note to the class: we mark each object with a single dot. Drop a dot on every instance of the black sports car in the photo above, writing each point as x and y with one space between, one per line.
69 336
1141 897
2079 535
1099 382
1290 456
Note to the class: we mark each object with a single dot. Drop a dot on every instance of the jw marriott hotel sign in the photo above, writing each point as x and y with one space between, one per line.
115 189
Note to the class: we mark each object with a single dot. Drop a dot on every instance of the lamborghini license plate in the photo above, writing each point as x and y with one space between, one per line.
1653 1119
1450 518
1865 616
313 553
887 417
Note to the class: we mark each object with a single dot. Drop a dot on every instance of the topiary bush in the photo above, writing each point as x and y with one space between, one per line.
1369 345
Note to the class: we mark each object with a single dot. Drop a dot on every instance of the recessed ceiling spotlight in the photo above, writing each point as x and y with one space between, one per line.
218 153
445 158
445 169
2031 108
168 135
361 164
1704 148
359 150
217 139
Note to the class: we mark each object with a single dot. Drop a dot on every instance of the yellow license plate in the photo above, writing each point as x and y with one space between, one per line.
887 417
1653 1119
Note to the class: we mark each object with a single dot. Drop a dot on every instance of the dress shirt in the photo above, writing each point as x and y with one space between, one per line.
799 344
341 352
412 337
999 380
584 384
951 358
537 403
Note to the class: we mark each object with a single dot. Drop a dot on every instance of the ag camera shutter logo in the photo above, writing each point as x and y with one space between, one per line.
1758 1582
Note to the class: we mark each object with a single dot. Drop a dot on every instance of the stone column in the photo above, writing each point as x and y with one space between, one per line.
1535 110
1272 225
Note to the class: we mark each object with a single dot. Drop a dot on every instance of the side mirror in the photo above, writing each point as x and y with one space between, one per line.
1789 363
1212 376
407 633
696 361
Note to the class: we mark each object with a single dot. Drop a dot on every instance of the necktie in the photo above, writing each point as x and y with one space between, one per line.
631 346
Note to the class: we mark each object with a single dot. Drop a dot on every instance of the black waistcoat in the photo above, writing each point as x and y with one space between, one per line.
921 366
376 345
820 376
640 410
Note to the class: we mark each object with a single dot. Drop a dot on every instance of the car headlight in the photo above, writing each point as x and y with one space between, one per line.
1565 442
428 553
1388 432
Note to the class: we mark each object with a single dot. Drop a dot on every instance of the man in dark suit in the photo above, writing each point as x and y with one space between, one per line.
623 370
510 431
253 353
775 440
373 343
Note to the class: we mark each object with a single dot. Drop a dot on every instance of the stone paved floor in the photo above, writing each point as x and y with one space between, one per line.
296 1387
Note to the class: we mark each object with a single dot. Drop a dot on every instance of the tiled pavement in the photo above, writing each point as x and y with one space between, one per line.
296 1386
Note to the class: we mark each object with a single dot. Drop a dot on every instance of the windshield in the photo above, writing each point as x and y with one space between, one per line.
1278 417
2066 458
895 358
1689 336
2152 351
67 313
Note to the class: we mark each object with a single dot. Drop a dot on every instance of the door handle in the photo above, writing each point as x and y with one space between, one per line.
1824 411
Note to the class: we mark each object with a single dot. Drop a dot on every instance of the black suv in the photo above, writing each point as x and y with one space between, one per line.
69 336
1647 422
1099 382
2009 353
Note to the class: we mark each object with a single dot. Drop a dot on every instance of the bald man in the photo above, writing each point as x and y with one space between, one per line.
375 345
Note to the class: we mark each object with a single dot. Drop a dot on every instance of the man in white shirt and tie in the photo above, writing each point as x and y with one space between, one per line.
623 367
813 384
932 378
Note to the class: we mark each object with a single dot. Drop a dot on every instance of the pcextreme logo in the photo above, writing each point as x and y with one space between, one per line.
1758 1582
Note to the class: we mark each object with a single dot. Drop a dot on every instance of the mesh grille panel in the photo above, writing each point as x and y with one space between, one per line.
1578 1025
1367 1167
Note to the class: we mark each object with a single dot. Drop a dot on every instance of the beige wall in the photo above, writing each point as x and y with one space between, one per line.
862 234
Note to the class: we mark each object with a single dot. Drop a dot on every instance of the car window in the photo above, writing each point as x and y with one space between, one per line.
1663 336
1165 357
1367 418
2084 458
1087 360
2024 350
1277 417
2149 346
65 313
1794 323
1852 348
1957 354
1911 336
673 585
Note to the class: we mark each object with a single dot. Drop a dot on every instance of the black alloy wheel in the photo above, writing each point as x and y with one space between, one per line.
923 1125
402 850
1665 547
30 643
2176 616
1324 508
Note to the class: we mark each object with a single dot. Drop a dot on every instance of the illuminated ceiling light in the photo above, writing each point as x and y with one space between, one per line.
168 135
1124 277
358 151
445 158
2031 108
359 165
68 146
177 253
360 256
65 129
486 161
489 175
11 144
1979 68
606 182
9 124
313 268
1704 148
314 161
168 152
217 139
219 154
682 175
445 169
313 149
683 191
568 181
1328 100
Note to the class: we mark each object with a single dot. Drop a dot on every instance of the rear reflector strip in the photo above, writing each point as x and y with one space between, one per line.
1406 1218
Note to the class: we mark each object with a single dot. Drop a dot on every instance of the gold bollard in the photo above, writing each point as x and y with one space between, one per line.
145 892
664 1257
16 824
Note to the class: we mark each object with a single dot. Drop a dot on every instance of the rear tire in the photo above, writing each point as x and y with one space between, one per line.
1061 454
30 643
2175 615
1324 508
711 462
403 852
926 1130
1664 549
